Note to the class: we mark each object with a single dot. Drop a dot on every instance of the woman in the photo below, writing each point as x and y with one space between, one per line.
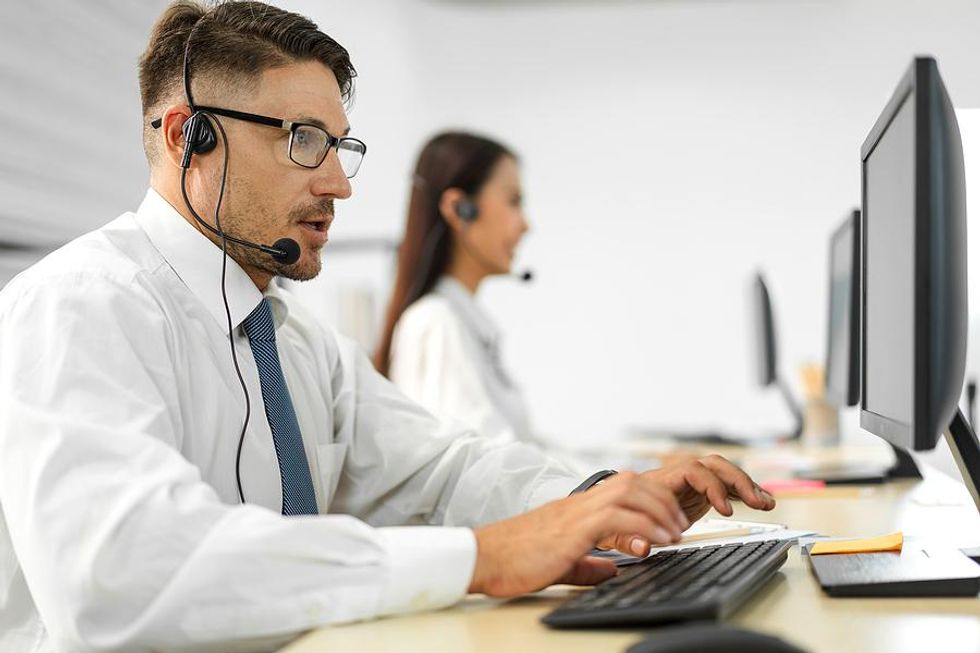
465 220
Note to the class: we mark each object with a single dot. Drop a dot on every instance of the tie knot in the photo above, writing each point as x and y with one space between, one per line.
259 324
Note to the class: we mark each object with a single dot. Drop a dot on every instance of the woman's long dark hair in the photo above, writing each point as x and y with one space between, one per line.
448 160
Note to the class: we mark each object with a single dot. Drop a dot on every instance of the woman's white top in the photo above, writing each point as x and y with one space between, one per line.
445 354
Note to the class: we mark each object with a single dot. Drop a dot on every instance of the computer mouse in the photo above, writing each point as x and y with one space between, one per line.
711 638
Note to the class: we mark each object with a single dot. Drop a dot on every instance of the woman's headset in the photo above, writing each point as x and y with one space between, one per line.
467 210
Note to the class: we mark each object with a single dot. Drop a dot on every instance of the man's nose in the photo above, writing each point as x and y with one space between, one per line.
329 178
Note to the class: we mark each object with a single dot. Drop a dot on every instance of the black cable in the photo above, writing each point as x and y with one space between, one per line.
224 293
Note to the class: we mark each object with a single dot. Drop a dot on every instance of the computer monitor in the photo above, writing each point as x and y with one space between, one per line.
765 332
842 385
842 381
766 374
767 360
914 273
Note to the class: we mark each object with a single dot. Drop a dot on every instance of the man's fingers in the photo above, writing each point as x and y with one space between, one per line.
740 485
660 505
589 571
650 498
704 481
633 545
759 499
657 490
630 544
614 526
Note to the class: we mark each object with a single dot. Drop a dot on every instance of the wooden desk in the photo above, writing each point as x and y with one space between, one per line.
791 605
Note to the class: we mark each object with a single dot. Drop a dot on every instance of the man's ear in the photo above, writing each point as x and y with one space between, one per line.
447 208
172 132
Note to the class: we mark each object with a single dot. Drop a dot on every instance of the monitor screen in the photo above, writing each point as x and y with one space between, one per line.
889 208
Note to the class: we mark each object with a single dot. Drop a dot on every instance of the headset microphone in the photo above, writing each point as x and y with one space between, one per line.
288 251
526 276
284 250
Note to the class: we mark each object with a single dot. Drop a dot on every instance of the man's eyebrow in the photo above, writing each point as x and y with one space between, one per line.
310 120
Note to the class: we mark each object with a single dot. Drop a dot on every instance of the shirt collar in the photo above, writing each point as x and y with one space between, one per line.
471 312
197 262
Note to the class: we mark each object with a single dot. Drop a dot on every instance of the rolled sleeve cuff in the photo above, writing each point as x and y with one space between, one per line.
430 567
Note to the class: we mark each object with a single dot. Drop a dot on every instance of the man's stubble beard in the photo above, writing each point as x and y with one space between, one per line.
234 222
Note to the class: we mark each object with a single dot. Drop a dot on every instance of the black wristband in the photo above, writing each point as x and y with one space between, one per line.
592 480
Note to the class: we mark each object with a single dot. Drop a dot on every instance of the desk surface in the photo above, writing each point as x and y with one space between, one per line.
791 605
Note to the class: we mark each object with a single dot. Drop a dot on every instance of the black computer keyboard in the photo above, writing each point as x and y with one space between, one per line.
689 584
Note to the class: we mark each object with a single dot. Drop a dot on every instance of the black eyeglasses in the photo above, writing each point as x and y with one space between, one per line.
308 144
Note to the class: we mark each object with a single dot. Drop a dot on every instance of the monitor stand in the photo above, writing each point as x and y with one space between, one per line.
904 466
917 570
860 473
794 408
965 447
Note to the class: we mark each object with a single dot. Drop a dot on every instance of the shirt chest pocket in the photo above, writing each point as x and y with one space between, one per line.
330 465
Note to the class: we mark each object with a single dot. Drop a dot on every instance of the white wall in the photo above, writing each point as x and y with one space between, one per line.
669 149
389 112
70 125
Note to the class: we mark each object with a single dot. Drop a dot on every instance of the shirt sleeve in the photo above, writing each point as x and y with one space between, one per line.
406 466
430 364
122 544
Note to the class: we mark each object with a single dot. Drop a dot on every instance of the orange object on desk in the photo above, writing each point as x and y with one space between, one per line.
885 543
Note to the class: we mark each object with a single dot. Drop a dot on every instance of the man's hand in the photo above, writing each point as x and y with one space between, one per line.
628 512
711 481
708 482
548 545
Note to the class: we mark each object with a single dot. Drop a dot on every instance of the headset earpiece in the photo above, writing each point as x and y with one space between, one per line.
466 210
199 136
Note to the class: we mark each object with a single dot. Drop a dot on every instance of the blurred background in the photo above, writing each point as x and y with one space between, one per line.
669 148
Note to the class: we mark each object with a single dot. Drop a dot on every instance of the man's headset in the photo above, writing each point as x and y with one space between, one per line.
200 138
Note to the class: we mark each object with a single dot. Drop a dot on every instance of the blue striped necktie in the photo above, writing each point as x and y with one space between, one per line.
298 497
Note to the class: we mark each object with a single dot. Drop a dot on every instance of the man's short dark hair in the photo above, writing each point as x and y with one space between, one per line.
233 44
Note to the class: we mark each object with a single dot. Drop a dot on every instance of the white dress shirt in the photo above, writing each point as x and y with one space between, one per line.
120 414
445 354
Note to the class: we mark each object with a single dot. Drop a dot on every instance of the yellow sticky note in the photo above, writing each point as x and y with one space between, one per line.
891 542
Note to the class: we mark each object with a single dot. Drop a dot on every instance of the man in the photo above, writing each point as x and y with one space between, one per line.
137 514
